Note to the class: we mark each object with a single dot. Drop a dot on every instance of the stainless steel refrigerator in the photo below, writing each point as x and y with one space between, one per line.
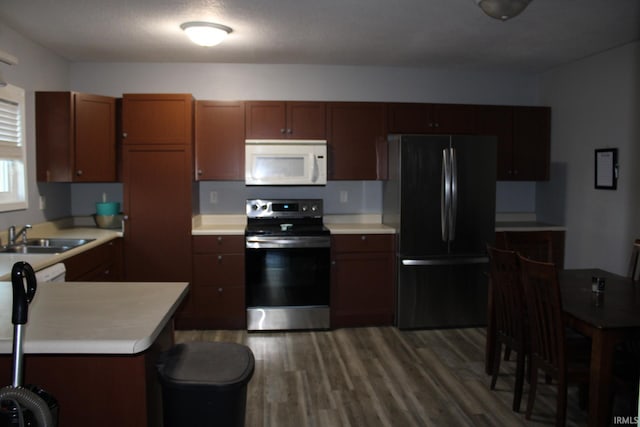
440 197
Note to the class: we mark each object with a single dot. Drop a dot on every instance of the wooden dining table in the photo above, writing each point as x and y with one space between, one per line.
608 318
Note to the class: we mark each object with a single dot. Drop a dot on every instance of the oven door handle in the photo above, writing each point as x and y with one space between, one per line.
280 242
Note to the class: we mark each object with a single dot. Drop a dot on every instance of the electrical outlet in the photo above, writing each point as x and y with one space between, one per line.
42 202
213 197
344 196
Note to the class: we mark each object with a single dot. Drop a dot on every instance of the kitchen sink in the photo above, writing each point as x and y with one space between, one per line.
44 246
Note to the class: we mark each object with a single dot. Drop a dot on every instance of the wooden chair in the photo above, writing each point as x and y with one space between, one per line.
549 351
510 326
633 263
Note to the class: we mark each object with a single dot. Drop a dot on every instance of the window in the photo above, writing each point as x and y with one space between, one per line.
13 154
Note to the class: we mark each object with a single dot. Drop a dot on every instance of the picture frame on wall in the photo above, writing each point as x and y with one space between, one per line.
606 168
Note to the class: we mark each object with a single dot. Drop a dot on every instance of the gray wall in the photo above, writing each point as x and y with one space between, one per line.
40 69
37 69
595 104
308 82
304 82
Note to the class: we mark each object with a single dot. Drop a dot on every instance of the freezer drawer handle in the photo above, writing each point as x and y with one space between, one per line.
454 261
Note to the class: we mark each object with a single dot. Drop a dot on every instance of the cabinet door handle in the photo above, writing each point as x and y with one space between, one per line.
79 172
363 237
219 290
283 130
199 171
289 131
219 259
124 134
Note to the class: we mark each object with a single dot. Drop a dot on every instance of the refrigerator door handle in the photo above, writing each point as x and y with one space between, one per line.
453 210
445 195
447 261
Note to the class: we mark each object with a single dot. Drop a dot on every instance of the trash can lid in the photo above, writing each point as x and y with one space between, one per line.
200 364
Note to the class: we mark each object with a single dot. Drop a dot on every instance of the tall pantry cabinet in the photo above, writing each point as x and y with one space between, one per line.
157 133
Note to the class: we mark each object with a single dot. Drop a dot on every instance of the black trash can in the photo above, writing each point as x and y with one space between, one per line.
205 384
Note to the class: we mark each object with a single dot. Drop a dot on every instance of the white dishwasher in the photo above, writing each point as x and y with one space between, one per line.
54 273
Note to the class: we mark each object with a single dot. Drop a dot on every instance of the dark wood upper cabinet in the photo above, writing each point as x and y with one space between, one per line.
431 118
157 119
498 121
523 140
75 137
356 136
532 143
219 140
281 120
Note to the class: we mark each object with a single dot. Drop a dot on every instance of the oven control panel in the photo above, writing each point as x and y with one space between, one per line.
284 208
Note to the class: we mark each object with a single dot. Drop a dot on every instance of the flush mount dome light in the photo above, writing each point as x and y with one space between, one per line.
205 33
502 9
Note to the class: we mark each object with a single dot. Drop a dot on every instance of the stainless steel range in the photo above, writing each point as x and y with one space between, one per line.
287 255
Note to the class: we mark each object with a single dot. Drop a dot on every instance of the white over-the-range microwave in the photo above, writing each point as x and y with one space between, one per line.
285 162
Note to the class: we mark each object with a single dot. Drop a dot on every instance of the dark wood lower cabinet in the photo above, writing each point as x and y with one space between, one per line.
362 280
555 237
216 299
100 390
100 264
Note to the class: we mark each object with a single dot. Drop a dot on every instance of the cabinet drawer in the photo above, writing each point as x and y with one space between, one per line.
362 243
221 307
218 243
218 269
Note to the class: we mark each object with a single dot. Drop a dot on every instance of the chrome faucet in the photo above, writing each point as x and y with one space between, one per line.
13 234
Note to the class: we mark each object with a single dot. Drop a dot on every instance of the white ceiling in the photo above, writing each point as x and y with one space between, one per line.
408 33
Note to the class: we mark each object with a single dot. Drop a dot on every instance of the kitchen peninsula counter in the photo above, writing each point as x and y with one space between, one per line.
92 317
94 346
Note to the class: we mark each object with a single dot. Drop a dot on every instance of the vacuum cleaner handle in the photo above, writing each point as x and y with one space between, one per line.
21 296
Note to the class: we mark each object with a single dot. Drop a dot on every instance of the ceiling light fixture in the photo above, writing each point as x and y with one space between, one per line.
205 33
502 9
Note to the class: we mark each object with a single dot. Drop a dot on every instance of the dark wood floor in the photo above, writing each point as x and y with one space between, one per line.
381 377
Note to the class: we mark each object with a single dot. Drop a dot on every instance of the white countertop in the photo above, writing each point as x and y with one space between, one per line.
527 226
203 225
40 261
92 317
